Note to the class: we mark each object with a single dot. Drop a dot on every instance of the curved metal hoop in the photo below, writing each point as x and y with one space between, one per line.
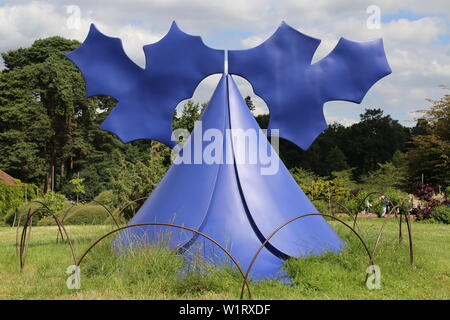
378 240
364 200
245 282
371 261
43 207
95 201
24 243
408 224
62 230
129 204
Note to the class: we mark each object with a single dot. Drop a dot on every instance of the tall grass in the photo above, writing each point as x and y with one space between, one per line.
159 273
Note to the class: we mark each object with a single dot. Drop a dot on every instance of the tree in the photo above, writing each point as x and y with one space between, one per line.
335 161
191 112
135 180
249 102
386 177
429 154
46 93
373 140
389 175
48 126
78 186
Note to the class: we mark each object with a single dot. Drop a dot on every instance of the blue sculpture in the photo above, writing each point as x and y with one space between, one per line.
175 66
230 201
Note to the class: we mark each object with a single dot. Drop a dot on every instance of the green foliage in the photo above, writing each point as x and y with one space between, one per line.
334 189
249 103
106 198
55 201
18 215
134 180
335 160
441 214
12 197
400 199
361 146
430 149
356 202
155 273
86 214
321 206
386 177
322 192
303 177
78 186
190 113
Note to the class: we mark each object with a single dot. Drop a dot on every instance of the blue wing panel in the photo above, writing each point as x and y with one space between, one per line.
281 73
147 97
348 72
105 67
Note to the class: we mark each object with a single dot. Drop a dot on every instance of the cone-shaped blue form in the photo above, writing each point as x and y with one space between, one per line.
237 196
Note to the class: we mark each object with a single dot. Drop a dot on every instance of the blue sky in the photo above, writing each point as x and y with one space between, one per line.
416 36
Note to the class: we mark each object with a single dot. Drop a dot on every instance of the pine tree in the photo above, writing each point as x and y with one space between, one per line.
249 102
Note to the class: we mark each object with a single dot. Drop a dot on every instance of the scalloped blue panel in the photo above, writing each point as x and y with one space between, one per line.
295 90
147 97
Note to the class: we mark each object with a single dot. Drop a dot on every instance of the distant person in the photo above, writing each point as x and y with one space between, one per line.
368 205
384 204
410 204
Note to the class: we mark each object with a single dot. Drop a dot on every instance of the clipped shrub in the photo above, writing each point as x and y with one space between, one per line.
106 197
23 211
86 214
119 219
47 221
441 214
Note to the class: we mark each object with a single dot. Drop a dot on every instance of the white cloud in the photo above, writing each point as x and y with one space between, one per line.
338 119
21 25
252 41
420 31
419 59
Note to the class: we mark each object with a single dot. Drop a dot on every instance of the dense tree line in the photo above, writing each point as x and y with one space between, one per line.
48 129
361 146
49 134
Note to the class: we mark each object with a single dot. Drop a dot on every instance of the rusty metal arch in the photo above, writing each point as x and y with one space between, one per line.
24 243
129 204
346 210
410 237
399 219
378 240
371 258
245 282
43 207
364 200
66 212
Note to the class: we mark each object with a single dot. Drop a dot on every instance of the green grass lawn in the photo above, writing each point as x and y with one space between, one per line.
153 274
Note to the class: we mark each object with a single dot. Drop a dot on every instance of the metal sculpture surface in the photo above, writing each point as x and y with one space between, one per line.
230 201
147 97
